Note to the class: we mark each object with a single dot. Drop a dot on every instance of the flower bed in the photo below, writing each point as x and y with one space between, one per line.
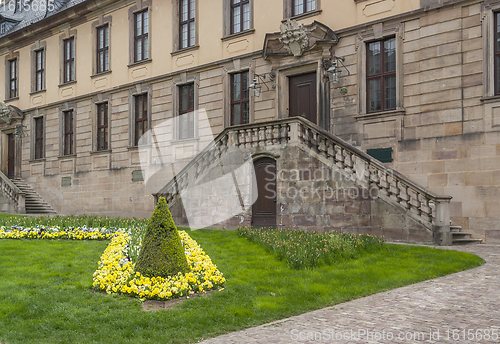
116 273
42 232
301 249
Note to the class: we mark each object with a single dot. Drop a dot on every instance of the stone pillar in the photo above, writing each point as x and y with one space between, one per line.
441 227
294 132
21 203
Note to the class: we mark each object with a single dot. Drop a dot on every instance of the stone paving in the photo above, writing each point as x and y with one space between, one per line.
457 308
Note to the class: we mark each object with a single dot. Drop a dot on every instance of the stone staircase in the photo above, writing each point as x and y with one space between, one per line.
412 200
462 238
34 203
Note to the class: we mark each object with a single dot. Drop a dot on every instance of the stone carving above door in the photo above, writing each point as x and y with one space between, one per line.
9 113
294 37
296 40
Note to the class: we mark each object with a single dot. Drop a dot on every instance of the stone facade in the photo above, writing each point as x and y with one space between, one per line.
443 131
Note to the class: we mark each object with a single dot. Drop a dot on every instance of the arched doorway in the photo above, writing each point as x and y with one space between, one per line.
264 208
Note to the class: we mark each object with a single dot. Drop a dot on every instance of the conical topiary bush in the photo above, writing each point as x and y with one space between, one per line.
162 253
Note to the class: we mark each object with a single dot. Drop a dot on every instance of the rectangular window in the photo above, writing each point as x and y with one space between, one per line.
39 70
13 78
186 111
141 38
68 133
141 117
497 52
102 126
302 6
187 24
240 15
39 138
102 49
381 75
69 59
240 105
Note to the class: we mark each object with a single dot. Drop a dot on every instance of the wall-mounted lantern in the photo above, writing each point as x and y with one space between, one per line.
19 132
258 80
335 69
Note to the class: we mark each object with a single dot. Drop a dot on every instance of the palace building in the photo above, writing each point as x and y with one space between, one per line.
403 95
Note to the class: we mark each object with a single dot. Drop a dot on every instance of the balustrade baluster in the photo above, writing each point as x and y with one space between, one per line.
425 210
383 184
269 135
403 196
248 136
262 136
255 136
323 146
339 156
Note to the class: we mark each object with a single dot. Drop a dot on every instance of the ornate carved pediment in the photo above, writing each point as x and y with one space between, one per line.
294 39
8 113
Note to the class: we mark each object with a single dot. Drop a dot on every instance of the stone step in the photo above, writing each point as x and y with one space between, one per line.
468 241
460 235
34 203
455 228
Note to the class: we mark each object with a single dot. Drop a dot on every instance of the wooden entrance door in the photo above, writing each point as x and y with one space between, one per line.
264 208
11 162
303 101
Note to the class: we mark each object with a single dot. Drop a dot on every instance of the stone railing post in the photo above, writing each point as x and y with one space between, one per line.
441 227
294 132
21 203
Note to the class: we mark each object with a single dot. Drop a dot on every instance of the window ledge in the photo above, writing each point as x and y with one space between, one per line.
37 92
67 83
490 99
100 74
185 50
105 151
184 141
135 148
304 15
67 156
371 115
32 161
138 63
238 34
11 99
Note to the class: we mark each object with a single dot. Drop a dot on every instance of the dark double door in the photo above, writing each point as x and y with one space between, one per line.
303 100
264 208
11 156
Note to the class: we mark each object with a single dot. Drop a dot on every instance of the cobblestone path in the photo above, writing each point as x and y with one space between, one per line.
458 308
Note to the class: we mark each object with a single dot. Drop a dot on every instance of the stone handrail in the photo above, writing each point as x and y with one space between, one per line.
13 193
427 206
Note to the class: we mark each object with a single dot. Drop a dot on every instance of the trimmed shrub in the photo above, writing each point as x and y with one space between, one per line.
162 253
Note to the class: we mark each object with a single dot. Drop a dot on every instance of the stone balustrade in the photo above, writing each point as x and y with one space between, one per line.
429 208
13 193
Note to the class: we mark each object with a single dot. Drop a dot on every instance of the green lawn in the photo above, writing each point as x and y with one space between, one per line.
9 216
45 294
